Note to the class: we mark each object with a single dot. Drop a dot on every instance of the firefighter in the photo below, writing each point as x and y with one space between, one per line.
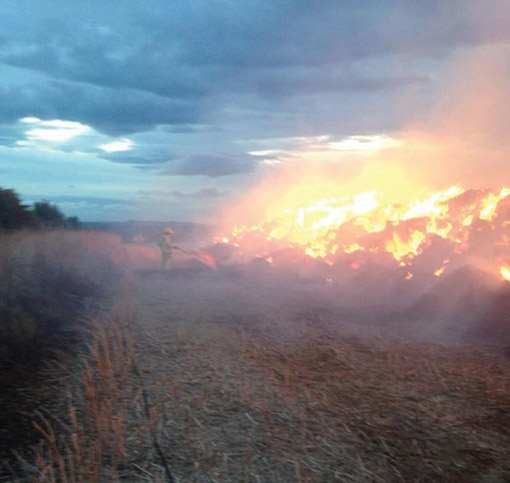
165 243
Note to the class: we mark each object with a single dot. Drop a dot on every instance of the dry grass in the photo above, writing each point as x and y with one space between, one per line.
48 280
232 389
107 433
250 394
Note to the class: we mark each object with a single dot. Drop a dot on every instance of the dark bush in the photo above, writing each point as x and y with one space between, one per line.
13 214
48 215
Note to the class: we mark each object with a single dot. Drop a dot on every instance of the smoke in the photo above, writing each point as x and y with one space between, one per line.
276 300
461 140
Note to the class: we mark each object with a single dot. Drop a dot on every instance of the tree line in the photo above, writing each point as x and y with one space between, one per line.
14 215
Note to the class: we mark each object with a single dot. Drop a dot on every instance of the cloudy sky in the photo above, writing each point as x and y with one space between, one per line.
165 110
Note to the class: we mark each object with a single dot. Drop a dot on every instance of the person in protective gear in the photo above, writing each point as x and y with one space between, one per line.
165 244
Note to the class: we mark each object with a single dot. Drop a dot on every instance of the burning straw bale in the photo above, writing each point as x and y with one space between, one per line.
419 240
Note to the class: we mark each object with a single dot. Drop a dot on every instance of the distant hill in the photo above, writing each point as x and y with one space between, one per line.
150 231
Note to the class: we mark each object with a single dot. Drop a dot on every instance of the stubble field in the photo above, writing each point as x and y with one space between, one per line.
257 383
196 375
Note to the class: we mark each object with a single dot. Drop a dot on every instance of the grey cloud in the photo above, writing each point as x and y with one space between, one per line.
280 66
282 83
187 51
9 134
124 111
111 111
191 128
203 194
211 165
92 200
138 157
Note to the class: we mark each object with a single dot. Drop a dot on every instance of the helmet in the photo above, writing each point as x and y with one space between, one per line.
169 231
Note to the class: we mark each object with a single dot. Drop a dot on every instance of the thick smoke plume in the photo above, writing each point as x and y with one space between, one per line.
464 136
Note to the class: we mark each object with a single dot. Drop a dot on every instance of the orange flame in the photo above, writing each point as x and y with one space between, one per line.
505 272
440 271
338 224
491 203
206 258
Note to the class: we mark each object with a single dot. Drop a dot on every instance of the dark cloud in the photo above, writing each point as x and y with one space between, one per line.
282 83
112 111
138 157
211 165
164 49
125 68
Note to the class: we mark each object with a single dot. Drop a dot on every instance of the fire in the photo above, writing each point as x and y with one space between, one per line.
439 271
206 258
339 225
491 203
505 272
405 248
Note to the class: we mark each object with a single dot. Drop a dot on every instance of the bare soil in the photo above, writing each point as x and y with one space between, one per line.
253 382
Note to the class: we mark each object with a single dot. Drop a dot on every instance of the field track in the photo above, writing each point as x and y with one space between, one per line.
264 384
